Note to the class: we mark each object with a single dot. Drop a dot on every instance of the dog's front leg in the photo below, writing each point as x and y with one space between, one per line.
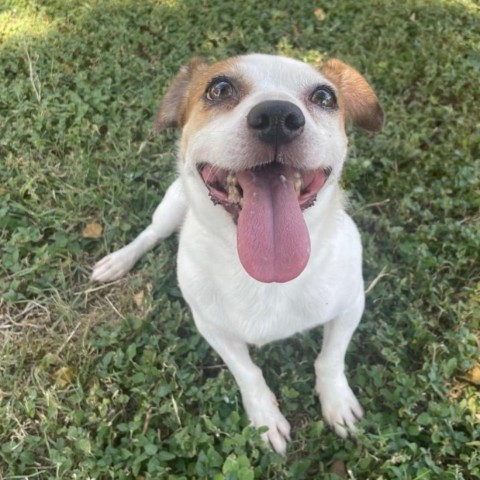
167 218
259 401
340 407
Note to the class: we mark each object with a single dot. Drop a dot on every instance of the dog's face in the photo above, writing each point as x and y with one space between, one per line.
261 136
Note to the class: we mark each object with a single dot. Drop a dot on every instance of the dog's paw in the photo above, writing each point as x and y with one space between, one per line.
340 407
263 411
113 266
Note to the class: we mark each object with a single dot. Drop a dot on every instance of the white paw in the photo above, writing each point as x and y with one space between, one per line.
340 407
113 266
263 411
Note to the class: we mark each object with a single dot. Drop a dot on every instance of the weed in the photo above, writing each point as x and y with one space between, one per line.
113 381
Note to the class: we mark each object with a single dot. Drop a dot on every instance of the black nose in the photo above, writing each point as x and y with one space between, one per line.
276 122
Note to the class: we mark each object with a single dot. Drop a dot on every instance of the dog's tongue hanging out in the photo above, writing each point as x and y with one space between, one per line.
272 238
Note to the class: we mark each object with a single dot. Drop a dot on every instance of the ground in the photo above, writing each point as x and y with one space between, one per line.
113 381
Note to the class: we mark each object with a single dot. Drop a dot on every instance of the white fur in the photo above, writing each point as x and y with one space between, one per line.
230 308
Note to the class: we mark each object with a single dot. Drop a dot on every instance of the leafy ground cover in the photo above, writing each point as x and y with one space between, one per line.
113 382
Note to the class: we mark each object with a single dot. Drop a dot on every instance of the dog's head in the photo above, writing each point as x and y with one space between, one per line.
262 135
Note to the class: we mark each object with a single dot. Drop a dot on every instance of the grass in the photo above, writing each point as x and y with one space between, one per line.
113 382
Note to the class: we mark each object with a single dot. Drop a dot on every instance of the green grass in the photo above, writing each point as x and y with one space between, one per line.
113 382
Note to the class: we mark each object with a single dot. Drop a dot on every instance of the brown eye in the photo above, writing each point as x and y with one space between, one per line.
219 90
324 97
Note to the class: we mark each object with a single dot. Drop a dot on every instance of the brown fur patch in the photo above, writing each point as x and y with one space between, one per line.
173 104
198 111
184 99
357 99
184 105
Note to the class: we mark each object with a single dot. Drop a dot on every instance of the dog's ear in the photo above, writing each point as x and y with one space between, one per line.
360 102
172 108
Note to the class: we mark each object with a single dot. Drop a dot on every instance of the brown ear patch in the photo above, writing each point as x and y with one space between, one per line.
173 106
360 103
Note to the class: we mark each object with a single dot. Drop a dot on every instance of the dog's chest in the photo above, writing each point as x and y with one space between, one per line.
273 312
220 292
255 313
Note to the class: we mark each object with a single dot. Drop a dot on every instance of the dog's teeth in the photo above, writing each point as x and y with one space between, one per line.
234 195
297 183
231 179
232 186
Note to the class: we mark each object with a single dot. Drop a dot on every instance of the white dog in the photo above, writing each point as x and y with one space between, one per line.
266 249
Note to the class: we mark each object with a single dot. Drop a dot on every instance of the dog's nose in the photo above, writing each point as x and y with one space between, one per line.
276 122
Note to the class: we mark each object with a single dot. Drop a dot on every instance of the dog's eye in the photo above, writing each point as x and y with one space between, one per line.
220 89
324 97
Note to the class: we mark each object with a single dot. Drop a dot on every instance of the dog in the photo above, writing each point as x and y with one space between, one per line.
266 248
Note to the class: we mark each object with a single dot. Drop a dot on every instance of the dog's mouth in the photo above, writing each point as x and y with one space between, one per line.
266 203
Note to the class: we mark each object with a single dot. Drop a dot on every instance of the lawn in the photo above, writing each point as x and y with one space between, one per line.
113 381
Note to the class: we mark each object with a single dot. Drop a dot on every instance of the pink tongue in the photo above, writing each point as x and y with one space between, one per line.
272 239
